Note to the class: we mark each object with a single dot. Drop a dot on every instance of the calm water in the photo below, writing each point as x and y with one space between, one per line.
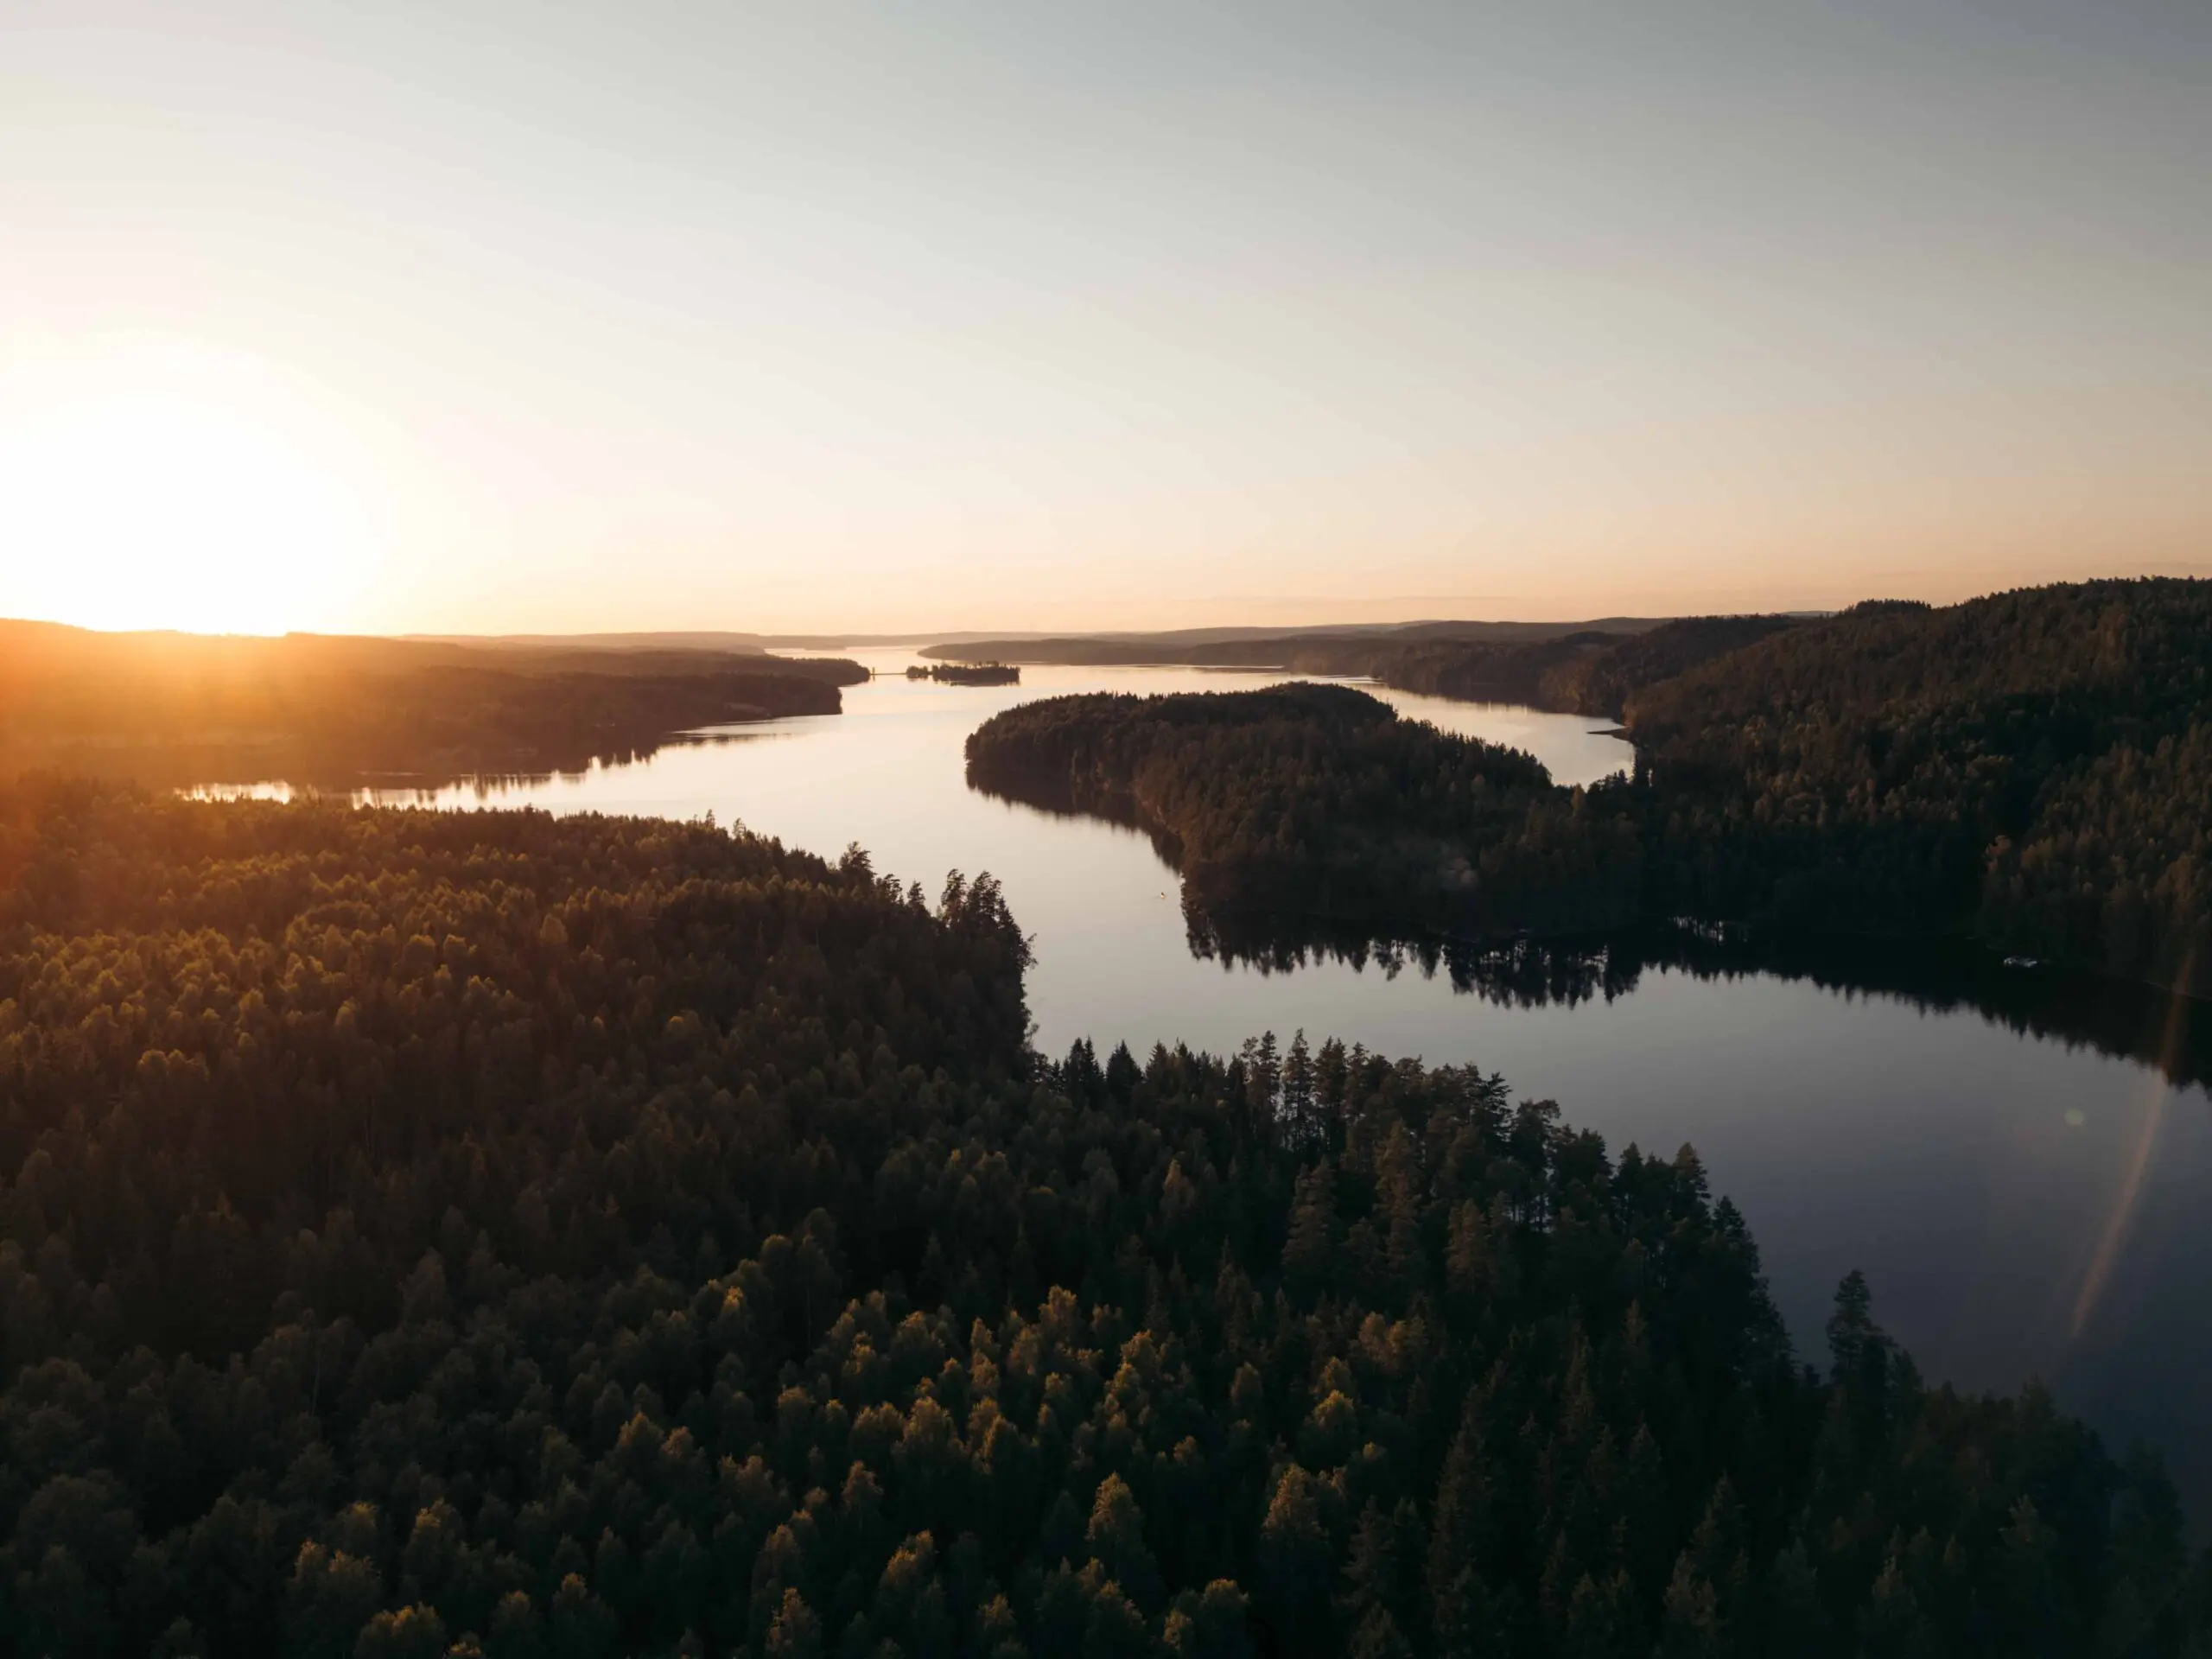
2008 1161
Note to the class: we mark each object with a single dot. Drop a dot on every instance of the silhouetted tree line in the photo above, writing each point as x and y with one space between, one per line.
482 1233
181 709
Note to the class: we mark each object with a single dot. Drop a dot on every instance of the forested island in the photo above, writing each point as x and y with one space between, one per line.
1317 800
338 712
486 1233
2031 771
993 673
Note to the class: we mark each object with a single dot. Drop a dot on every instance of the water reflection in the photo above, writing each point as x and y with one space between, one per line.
2142 1023
441 789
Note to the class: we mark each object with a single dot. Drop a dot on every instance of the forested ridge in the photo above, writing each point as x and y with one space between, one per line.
337 712
2031 771
486 1233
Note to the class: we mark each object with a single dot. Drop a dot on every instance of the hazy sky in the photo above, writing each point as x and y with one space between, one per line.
548 316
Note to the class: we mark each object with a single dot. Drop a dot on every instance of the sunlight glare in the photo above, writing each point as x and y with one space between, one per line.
163 510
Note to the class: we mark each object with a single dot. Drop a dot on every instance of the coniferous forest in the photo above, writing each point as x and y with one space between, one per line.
491 1234
2033 770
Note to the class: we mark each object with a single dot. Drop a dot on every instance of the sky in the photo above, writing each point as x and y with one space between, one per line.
487 317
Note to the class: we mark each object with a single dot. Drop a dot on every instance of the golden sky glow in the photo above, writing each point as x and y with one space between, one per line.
495 317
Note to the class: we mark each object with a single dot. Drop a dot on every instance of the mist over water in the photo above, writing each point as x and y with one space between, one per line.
2012 1164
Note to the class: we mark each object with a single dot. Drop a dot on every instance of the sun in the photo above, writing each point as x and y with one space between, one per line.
167 507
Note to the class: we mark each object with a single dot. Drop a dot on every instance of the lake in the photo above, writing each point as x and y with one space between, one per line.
2014 1160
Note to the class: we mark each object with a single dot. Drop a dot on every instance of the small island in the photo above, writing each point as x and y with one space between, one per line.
966 673
1317 802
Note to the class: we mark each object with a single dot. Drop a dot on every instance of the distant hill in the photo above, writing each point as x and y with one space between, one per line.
1586 667
31 650
712 639
748 644
172 709
1246 645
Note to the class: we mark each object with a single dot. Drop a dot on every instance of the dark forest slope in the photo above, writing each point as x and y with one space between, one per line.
2036 766
598 1237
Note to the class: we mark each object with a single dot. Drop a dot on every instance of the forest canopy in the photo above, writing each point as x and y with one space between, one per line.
2033 769
487 1234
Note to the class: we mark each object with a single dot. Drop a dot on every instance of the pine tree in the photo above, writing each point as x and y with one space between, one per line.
1307 1253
